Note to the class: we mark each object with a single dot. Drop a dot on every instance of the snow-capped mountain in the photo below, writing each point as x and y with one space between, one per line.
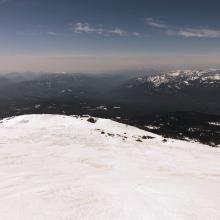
58 167
192 89
180 79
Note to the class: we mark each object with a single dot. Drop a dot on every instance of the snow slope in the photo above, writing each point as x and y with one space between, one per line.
65 168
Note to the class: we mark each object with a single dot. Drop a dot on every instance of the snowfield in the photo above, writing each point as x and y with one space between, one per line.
66 168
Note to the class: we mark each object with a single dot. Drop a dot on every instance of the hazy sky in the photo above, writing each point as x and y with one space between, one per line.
106 35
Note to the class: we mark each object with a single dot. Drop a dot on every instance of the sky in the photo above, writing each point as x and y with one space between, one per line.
103 35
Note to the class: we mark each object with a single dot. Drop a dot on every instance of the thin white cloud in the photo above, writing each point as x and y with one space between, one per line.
200 33
85 28
80 28
183 31
52 33
136 34
118 31
151 22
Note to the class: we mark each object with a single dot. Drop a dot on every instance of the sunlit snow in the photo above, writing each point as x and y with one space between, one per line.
66 168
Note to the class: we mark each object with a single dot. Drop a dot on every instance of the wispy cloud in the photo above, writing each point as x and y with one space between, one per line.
37 32
183 31
151 22
52 33
85 28
118 31
80 28
199 33
136 34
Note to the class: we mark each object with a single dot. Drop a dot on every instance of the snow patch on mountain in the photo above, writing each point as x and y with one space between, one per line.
56 167
215 123
184 77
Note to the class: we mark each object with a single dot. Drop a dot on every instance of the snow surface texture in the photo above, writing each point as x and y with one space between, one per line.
66 168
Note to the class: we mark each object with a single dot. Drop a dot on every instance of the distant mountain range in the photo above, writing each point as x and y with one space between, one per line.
177 80
175 101
191 90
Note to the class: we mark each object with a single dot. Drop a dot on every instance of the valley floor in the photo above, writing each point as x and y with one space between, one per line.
65 168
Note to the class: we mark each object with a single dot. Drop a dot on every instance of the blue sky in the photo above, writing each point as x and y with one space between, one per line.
78 35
